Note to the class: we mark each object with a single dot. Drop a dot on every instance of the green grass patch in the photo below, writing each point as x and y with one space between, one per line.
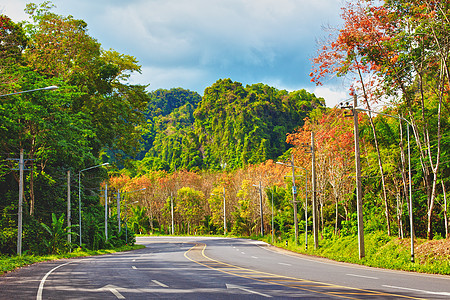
9 263
381 251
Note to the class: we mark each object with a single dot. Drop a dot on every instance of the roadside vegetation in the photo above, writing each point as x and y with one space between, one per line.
10 263
201 165
382 251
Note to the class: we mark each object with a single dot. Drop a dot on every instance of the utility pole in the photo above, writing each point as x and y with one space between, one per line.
69 236
358 181
314 196
359 204
171 212
261 209
20 208
294 198
224 214
106 212
272 216
19 233
118 208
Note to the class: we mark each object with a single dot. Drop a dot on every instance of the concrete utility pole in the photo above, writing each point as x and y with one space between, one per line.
21 168
261 207
118 208
272 216
224 214
294 198
19 233
106 212
171 212
359 204
411 223
69 236
314 196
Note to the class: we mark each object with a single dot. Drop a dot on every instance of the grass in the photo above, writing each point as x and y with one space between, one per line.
9 263
381 251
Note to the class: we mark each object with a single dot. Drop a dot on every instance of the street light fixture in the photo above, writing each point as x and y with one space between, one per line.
411 224
48 88
79 194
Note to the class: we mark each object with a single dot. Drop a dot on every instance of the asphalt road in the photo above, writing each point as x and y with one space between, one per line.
214 268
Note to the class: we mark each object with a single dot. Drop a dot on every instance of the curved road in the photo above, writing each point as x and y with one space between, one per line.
214 268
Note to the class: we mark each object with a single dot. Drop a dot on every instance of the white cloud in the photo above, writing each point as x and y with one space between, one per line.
333 94
196 42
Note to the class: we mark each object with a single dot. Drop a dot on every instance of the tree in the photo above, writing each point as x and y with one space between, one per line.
189 205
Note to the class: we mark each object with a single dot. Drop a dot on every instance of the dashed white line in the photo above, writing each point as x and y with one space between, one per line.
362 276
134 267
284 264
254 257
160 283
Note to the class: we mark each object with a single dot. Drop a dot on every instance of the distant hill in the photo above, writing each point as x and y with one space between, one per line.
231 126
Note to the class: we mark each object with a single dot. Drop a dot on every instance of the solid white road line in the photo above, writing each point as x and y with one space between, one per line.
416 290
41 285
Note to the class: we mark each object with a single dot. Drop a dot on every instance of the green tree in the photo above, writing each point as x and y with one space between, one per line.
190 206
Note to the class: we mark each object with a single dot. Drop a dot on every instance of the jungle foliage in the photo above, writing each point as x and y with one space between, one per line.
201 159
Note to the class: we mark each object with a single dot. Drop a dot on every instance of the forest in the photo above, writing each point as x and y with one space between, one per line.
221 163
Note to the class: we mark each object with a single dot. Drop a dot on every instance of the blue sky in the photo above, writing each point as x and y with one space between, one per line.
193 43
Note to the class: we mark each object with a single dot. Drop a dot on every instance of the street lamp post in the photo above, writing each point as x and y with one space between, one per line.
21 169
294 196
126 221
411 223
224 211
119 194
79 194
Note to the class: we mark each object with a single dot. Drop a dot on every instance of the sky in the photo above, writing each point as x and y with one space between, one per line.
193 43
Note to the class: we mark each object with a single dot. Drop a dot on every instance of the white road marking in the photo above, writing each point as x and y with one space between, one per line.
416 290
254 257
233 286
362 276
284 264
41 285
243 252
160 283
134 267
134 260
113 289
